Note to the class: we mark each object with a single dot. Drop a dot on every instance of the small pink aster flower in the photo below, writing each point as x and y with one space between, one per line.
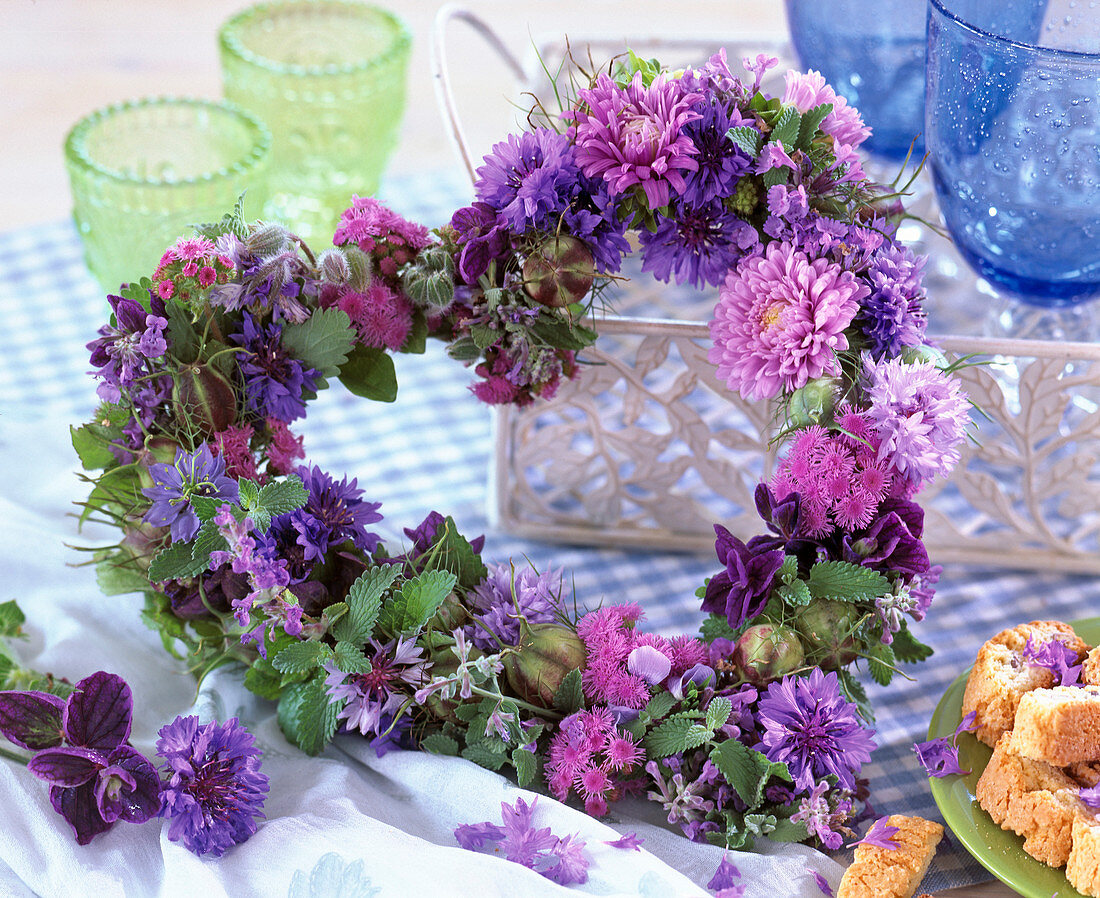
843 123
632 135
780 321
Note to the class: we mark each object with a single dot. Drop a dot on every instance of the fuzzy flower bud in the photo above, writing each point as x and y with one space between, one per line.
334 267
267 240
812 403
359 268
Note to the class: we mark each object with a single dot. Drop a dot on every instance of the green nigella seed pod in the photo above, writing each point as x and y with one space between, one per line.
913 355
333 265
767 652
812 403
359 268
826 625
204 400
545 654
267 240
745 197
559 272
451 615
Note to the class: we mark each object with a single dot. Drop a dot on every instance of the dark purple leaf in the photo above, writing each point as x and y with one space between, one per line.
67 767
31 720
98 713
129 789
79 808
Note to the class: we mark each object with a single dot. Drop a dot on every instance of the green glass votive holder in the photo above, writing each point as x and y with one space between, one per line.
146 171
328 78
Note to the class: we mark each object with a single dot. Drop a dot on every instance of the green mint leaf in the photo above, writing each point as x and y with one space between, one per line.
811 121
747 138
176 563
369 373
249 492
795 593
659 705
717 627
261 680
231 223
322 341
746 770
909 649
116 575
786 831
552 330
847 582
350 658
282 496
438 744
788 573
787 126
419 598
484 757
301 657
526 764
570 696
855 693
92 447
718 712
881 663
678 733
464 349
310 719
364 601
11 618
778 175
206 508
453 552
208 540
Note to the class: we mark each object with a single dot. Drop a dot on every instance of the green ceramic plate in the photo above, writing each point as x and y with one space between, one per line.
999 851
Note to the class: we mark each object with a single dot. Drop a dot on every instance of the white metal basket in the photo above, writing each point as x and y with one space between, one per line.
646 448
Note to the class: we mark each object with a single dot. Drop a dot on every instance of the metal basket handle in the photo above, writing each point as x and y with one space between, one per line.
441 74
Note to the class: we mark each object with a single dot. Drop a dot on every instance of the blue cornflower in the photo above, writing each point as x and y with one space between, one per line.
721 161
700 244
505 597
215 789
196 473
893 316
275 383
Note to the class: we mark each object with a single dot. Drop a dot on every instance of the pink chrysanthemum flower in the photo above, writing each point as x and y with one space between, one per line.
844 123
919 414
632 135
189 267
780 321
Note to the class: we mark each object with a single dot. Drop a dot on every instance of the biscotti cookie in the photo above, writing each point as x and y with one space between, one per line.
1000 675
1032 799
893 873
1060 725
1090 669
1083 868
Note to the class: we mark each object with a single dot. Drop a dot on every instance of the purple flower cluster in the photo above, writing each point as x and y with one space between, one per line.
124 351
508 596
275 383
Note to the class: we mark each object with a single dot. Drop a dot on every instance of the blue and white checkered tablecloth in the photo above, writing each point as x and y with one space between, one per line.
431 450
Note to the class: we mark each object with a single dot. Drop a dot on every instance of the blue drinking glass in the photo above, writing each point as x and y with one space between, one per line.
872 53
1012 124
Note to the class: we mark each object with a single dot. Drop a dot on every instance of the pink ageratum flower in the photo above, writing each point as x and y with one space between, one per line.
843 124
285 448
381 317
590 755
189 267
780 321
632 135
382 234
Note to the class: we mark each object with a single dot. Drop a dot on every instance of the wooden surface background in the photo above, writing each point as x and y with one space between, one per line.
61 59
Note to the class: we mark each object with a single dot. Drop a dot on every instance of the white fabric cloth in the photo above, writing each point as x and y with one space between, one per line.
346 825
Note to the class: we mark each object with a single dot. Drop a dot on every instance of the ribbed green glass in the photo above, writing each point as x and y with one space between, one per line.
328 78
143 172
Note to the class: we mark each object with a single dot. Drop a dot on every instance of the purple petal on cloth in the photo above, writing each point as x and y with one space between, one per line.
140 800
822 883
725 877
67 767
939 757
98 713
473 836
31 720
628 842
572 866
78 806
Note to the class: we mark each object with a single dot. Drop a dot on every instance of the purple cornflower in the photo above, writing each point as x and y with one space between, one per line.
699 244
893 316
196 473
724 883
275 383
334 512
881 835
721 162
215 788
940 757
83 751
780 321
633 135
741 591
529 179
593 216
1057 657
561 860
508 595
811 727
921 415
821 818
123 350
371 699
1090 796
